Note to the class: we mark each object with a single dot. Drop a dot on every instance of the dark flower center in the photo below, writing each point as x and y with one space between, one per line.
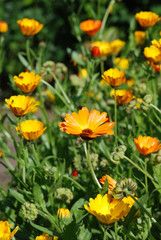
85 134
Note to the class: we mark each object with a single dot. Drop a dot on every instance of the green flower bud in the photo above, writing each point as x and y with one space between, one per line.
147 99
123 188
158 157
64 194
28 211
104 163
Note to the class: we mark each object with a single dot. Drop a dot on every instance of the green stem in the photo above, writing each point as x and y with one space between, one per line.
115 115
141 170
105 234
105 18
56 92
102 66
76 183
35 154
146 179
28 53
86 149
155 107
116 230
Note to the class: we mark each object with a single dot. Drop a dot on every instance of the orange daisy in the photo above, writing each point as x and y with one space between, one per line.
114 77
90 27
87 125
147 145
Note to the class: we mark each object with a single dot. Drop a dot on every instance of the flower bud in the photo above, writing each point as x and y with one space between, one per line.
158 157
63 213
123 188
147 99
64 195
115 158
95 51
28 211
74 173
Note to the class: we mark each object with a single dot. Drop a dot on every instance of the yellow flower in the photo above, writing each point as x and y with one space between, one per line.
46 236
139 101
104 48
122 96
108 210
82 73
31 129
50 96
5 232
27 81
20 105
122 63
114 77
117 45
139 36
147 19
153 54
157 43
91 27
87 125
130 82
36 105
3 27
147 145
63 213
29 27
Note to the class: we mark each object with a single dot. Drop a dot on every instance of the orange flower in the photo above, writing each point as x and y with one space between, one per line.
147 145
90 27
147 19
0 154
139 37
112 182
101 48
27 81
29 27
87 125
153 54
122 96
156 67
3 27
114 77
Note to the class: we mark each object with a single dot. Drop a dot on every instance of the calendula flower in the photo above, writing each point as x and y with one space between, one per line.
63 213
130 82
0 154
147 19
46 236
5 231
122 63
3 27
156 67
31 129
50 96
122 96
153 54
87 125
29 27
36 105
20 105
27 81
117 45
138 103
90 27
114 77
139 37
108 210
82 73
104 49
112 182
157 43
147 145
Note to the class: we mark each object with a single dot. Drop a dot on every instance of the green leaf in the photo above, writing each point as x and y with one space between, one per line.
105 187
38 195
45 230
71 231
24 61
84 234
19 197
75 210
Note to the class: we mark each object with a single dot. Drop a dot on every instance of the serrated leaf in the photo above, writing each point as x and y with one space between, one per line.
19 197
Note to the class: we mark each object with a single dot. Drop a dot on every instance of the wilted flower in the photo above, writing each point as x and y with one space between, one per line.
31 129
3 27
122 96
147 145
108 210
28 211
29 27
63 213
87 125
27 81
5 231
122 63
139 37
103 47
114 77
46 236
90 27
153 53
117 45
147 19
20 105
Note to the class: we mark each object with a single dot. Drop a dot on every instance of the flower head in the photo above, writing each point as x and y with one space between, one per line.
29 27
114 77
108 210
139 37
3 27
103 47
122 63
5 232
0 154
27 81
157 43
63 213
36 105
46 236
87 125
147 145
112 182
122 96
90 27
147 19
20 105
31 129
117 45
152 53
